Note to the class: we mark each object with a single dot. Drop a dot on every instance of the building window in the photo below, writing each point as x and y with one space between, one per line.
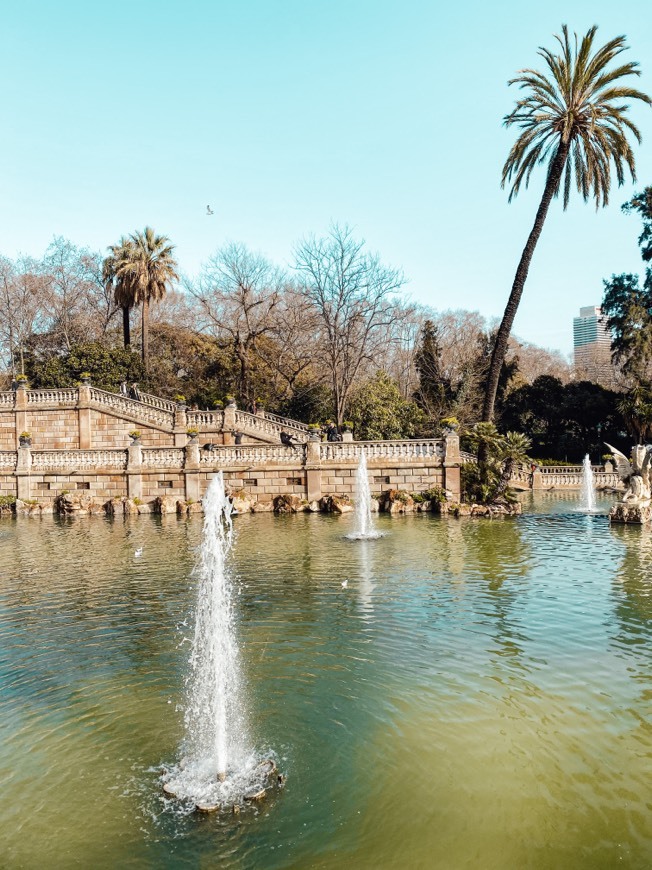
165 484
83 484
381 479
250 481
294 481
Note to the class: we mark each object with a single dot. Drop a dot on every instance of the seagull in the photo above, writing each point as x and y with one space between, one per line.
345 583
209 210
139 552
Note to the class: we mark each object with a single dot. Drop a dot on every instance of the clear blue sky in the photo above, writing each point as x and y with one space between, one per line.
285 115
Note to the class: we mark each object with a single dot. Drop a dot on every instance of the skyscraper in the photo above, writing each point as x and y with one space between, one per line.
592 346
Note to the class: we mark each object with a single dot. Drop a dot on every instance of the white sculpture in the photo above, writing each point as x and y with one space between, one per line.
635 474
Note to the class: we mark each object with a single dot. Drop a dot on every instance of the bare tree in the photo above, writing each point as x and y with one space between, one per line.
21 306
239 292
352 295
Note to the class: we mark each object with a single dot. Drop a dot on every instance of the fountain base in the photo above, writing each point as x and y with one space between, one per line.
631 513
229 791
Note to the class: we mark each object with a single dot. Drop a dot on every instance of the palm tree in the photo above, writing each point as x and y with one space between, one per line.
575 122
116 279
152 267
140 268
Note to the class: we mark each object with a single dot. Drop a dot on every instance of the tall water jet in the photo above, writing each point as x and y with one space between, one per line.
219 767
363 519
587 492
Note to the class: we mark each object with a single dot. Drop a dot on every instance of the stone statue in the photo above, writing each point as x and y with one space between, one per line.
635 474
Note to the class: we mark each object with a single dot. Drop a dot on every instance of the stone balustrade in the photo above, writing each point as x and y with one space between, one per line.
206 421
285 422
131 409
8 459
7 398
68 460
163 457
251 455
53 398
252 424
381 450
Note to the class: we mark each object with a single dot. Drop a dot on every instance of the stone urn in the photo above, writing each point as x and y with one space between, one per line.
25 439
230 401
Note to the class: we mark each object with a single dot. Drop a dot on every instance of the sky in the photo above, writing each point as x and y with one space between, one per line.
288 115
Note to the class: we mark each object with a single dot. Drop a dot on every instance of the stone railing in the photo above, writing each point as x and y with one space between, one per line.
139 412
285 422
552 478
7 398
251 454
207 421
163 457
392 450
157 402
8 459
56 398
251 424
68 460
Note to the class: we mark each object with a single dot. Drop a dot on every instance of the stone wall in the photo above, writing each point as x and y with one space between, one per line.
261 471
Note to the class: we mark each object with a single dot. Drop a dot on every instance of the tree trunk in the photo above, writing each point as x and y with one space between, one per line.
144 335
502 336
126 326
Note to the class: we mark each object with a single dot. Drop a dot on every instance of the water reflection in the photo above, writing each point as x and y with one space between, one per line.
476 696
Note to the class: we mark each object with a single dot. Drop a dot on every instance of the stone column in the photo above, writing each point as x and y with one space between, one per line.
452 463
229 422
191 470
134 469
180 426
313 468
84 415
20 411
23 470
537 479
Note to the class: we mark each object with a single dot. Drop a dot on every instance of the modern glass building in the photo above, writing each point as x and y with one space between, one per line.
592 346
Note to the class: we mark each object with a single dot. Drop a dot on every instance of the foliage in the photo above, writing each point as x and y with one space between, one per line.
628 304
636 408
108 367
433 390
487 480
435 493
377 410
565 421
7 500
135 433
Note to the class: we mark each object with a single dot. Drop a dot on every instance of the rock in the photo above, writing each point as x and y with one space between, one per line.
397 501
75 504
195 507
112 507
424 506
241 502
313 507
336 504
129 507
288 504
144 508
374 505
632 514
259 507
164 504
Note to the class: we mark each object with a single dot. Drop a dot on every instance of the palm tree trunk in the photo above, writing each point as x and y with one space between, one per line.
502 336
126 326
144 335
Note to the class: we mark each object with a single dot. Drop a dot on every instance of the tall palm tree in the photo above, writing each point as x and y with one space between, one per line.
116 279
575 122
152 268
140 268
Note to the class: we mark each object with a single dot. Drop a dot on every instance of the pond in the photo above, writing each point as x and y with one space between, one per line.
476 695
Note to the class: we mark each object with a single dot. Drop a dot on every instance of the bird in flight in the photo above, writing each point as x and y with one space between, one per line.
209 210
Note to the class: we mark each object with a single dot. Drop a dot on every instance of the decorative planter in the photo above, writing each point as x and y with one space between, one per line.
25 441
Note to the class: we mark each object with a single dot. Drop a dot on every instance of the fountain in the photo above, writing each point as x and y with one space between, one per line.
587 492
364 522
219 767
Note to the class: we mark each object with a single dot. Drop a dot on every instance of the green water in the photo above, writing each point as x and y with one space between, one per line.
477 696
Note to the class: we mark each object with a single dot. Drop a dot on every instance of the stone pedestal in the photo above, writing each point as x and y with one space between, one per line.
631 513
